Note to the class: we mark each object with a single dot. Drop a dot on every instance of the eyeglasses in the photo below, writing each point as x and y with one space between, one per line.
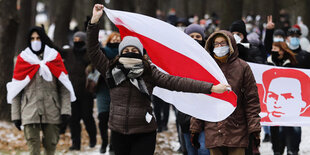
223 43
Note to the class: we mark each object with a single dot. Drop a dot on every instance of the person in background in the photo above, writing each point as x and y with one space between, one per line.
196 32
131 79
76 60
103 94
161 110
247 51
44 100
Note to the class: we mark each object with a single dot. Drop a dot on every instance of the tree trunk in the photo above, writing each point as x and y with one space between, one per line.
27 20
231 11
63 17
146 7
8 31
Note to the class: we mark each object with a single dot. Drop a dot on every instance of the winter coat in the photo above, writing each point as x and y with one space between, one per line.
41 102
303 58
76 62
283 63
129 107
233 131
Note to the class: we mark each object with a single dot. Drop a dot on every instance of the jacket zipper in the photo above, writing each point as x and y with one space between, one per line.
127 110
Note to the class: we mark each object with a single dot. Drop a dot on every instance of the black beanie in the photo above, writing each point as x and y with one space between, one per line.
279 32
238 26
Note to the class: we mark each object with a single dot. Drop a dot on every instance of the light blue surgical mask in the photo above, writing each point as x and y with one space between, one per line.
277 39
294 42
221 51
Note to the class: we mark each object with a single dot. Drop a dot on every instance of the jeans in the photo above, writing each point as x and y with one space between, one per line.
191 150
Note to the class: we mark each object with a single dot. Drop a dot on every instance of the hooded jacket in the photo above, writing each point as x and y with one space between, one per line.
233 131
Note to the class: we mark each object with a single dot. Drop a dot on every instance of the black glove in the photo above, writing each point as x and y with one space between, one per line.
64 121
194 140
18 123
256 139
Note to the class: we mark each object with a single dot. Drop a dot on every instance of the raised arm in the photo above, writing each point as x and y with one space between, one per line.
97 58
269 34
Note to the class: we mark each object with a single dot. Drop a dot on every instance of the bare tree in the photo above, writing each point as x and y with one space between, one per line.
62 20
27 19
8 31
231 11
146 7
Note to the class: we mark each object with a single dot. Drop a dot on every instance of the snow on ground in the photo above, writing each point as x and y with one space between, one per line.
12 142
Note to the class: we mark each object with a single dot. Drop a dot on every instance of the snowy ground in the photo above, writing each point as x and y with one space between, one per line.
12 142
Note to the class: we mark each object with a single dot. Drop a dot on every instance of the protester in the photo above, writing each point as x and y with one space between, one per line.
247 52
231 136
41 93
196 32
131 79
103 94
76 60
161 110
281 55
293 42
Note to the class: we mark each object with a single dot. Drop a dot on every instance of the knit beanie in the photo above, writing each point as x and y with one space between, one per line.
279 32
130 41
195 28
238 26
81 35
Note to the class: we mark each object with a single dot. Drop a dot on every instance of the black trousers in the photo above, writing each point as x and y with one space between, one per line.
134 144
82 109
103 128
161 110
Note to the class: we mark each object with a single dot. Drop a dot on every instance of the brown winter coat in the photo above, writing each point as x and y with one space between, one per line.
233 131
128 105
41 98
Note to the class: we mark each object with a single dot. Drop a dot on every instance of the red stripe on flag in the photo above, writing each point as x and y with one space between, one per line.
23 68
177 64
57 66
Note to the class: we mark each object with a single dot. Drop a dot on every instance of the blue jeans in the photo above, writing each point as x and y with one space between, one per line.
191 150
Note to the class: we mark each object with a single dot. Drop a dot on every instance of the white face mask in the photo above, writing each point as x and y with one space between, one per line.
221 51
36 45
277 39
237 38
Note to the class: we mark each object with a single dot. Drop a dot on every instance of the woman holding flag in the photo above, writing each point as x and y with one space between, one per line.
131 79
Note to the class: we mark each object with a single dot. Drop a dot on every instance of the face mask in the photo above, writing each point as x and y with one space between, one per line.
201 42
278 39
79 44
237 38
132 55
36 45
294 42
275 54
113 45
221 51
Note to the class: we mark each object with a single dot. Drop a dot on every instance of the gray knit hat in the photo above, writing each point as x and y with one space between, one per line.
195 28
81 35
130 41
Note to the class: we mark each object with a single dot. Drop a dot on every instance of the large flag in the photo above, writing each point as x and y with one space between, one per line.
175 53
284 95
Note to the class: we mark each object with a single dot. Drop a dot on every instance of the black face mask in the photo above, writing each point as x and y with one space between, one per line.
79 46
132 55
201 42
275 54
113 45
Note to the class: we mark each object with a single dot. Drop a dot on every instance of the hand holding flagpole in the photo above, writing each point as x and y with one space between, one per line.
97 13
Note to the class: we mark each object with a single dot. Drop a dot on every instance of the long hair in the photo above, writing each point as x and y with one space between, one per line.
287 52
110 37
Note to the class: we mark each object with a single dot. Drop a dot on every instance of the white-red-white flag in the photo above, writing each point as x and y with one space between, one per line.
175 53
